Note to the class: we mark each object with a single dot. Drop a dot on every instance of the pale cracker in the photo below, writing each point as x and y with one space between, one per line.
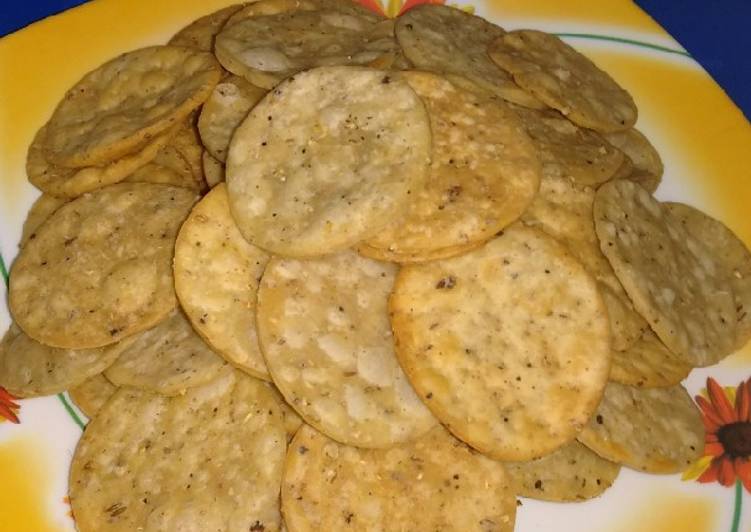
213 170
216 280
164 175
211 459
200 33
324 332
92 394
44 206
187 142
572 473
320 164
657 430
432 483
72 182
31 369
648 363
563 209
484 173
292 422
569 151
167 359
564 79
450 41
643 155
671 277
121 105
411 258
731 254
508 345
100 269
226 108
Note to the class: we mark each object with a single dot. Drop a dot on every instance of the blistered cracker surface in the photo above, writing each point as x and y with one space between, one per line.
325 335
484 173
564 79
226 108
166 359
648 363
569 151
657 430
42 209
641 152
200 33
72 182
92 394
432 483
100 269
164 175
120 105
31 369
731 255
563 210
410 258
211 459
216 279
213 170
320 163
570 474
508 345
672 277
292 421
187 142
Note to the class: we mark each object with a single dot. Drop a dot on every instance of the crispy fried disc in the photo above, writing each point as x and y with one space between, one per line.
389 256
213 170
730 253
167 359
646 160
563 209
44 206
658 430
314 169
570 474
164 175
449 41
569 151
648 363
211 459
92 394
225 109
72 182
200 33
292 422
187 142
31 369
564 79
216 279
120 106
433 483
673 278
100 269
324 331
484 173
508 345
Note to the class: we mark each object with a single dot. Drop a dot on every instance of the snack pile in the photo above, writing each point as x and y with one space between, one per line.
307 268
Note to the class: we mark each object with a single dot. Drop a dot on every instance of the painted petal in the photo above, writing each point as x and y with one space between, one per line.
727 471
720 401
8 413
372 5
710 414
712 472
710 437
714 449
697 468
742 402
743 469
409 4
6 396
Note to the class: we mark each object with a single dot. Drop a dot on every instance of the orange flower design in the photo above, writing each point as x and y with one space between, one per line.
395 8
727 448
8 406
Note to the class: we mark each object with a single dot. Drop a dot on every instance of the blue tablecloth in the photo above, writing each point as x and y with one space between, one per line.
716 32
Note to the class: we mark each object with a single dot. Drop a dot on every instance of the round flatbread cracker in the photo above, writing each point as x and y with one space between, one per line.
731 255
508 345
44 206
564 79
450 41
213 170
100 269
167 359
643 155
164 175
211 459
92 394
315 169
673 279
483 175
118 107
433 483
31 369
648 363
657 430
325 335
216 279
411 258
568 151
292 422
188 144
226 108
200 33
572 473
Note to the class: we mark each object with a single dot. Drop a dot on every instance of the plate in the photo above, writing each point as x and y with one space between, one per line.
702 137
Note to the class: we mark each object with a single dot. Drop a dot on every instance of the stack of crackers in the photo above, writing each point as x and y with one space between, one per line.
428 276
